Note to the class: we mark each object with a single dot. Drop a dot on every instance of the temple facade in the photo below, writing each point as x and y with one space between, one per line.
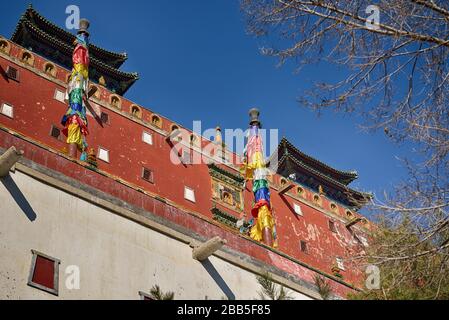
128 217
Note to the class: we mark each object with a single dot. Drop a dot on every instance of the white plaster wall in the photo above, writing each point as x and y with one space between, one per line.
117 257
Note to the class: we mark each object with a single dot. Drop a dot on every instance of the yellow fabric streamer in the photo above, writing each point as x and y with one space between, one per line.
257 162
81 69
74 135
264 220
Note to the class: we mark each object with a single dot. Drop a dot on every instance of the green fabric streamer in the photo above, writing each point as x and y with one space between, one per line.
76 96
259 184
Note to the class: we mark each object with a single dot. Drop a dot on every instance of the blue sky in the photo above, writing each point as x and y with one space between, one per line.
196 62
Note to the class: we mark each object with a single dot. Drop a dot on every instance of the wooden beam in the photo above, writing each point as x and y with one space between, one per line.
8 160
91 92
353 222
286 188
203 251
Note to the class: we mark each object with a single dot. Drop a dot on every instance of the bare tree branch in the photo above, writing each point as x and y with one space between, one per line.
396 76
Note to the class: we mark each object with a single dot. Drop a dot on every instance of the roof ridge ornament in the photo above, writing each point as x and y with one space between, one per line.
83 26
254 114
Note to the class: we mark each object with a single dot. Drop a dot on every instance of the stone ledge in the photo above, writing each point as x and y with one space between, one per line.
159 224
167 227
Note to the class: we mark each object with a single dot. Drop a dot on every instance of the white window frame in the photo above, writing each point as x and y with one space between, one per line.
186 189
340 263
5 114
298 210
63 95
148 134
99 152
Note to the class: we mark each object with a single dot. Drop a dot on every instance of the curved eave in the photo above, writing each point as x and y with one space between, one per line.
68 49
32 15
361 197
128 85
345 177
125 79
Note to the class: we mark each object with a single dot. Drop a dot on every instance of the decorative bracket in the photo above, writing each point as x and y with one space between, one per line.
353 222
91 92
8 160
203 251
286 188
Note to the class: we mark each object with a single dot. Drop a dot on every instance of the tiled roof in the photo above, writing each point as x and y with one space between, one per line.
108 57
287 153
343 177
126 79
362 195
69 49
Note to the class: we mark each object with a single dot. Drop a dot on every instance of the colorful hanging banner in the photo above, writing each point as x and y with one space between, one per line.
255 169
75 119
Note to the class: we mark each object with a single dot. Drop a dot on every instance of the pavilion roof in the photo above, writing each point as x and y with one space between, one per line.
343 177
105 63
111 58
336 181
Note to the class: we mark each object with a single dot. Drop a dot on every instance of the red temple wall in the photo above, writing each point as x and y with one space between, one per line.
36 110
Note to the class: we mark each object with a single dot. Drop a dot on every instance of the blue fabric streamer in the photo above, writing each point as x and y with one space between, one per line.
262 194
